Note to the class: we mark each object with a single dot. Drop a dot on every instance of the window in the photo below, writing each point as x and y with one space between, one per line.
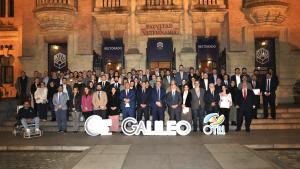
2 8
7 74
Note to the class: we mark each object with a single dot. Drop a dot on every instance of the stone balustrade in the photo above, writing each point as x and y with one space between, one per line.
249 3
43 2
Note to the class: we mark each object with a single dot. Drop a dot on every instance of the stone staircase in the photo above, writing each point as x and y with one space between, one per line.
287 118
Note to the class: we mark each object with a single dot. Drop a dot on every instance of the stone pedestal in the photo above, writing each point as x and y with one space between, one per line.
132 60
188 60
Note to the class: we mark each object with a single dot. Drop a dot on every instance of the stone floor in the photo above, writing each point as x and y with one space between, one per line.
38 160
284 158
195 150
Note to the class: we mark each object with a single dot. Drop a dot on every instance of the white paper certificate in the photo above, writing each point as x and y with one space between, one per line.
256 91
127 105
185 110
224 104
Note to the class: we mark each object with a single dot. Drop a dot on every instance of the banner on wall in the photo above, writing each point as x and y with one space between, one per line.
160 50
264 55
112 50
207 49
58 57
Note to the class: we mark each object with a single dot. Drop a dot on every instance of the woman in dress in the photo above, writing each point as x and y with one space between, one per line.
40 96
51 91
113 106
75 105
86 102
225 96
233 111
183 82
186 104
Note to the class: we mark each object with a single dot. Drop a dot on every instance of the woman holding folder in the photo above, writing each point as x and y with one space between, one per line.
224 104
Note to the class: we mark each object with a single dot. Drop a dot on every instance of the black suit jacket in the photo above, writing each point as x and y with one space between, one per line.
202 84
245 104
209 98
137 87
233 78
143 98
106 88
149 78
222 77
51 79
188 99
257 85
118 89
273 87
212 79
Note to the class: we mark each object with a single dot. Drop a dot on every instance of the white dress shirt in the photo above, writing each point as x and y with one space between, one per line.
238 79
206 84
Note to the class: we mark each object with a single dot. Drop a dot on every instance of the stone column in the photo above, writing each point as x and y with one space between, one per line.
133 46
132 61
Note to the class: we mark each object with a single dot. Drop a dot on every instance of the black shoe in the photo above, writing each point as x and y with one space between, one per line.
60 131
265 117
74 132
238 130
233 123
53 119
201 130
113 132
195 130
226 131
274 118
65 132
248 130
121 131
255 118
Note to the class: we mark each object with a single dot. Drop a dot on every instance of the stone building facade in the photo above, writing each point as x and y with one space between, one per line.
84 25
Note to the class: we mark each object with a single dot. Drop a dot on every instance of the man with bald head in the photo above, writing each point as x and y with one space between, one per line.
212 99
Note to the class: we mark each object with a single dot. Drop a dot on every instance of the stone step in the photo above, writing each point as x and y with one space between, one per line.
275 126
278 120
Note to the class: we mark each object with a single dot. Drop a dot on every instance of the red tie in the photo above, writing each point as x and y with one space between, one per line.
245 95
126 94
253 84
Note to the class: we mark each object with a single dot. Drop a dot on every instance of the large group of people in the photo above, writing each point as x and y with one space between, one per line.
164 94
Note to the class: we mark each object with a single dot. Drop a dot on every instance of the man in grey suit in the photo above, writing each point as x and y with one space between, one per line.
174 101
60 107
244 79
198 105
167 79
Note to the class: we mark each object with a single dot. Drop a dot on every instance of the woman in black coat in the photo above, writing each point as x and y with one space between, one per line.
52 89
181 86
186 113
33 88
75 105
233 111
113 106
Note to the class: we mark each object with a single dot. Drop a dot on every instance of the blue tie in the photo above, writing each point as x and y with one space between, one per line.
99 95
173 96
58 98
158 99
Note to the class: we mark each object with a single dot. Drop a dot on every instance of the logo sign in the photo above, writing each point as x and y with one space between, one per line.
95 126
60 60
262 56
160 45
172 128
207 49
207 46
214 127
159 29
113 48
112 51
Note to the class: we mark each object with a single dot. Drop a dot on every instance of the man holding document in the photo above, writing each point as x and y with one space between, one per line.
127 98
225 103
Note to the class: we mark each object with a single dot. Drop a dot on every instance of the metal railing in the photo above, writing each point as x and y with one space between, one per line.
208 2
159 2
42 2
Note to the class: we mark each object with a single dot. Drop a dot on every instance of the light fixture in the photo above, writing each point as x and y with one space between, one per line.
264 43
55 47
109 63
118 68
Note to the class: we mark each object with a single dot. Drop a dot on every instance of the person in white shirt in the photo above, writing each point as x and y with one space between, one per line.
46 77
40 96
237 77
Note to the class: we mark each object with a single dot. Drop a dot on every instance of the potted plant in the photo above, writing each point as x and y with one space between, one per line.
1 94
296 92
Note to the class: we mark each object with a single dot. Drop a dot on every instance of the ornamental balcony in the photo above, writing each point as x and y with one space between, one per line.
55 14
159 11
265 12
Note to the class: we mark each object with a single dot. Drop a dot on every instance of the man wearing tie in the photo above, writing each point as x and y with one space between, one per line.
268 89
116 85
198 105
212 99
255 85
60 103
143 102
167 79
214 76
141 77
158 102
174 101
181 75
105 84
127 98
244 102
99 101
204 83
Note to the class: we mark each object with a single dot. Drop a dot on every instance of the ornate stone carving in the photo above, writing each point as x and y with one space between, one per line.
268 12
55 16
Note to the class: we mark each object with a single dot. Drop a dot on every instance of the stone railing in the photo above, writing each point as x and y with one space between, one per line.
55 14
111 6
265 12
207 2
166 5
157 2
206 5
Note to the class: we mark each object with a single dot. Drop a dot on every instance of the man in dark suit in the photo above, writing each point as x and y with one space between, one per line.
141 77
204 83
218 86
192 74
147 76
198 105
223 73
55 80
167 79
181 75
268 88
212 99
244 73
226 81
237 78
214 76
116 85
68 90
127 98
174 102
105 84
137 85
245 102
273 76
143 102
80 85
255 85
158 102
